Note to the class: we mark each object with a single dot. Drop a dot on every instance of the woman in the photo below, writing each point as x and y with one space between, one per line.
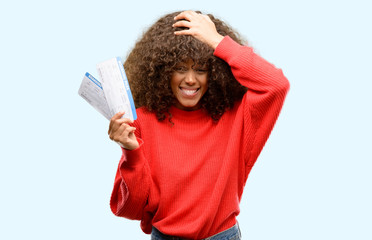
206 106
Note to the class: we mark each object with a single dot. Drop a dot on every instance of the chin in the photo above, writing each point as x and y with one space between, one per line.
188 107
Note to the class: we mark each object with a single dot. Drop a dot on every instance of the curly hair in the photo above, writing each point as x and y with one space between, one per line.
150 64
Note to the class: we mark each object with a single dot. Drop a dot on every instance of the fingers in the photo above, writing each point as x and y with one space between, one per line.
118 115
185 18
118 120
190 20
122 134
182 23
188 15
114 118
199 26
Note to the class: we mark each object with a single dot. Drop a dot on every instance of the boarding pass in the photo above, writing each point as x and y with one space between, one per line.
91 90
112 94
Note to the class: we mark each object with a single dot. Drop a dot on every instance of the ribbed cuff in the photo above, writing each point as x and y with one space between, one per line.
227 48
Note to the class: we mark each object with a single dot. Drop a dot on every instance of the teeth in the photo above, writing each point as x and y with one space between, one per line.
189 92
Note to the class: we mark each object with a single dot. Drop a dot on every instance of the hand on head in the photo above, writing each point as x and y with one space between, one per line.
199 26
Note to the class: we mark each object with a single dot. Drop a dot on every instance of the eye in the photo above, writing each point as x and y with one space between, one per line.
201 70
180 69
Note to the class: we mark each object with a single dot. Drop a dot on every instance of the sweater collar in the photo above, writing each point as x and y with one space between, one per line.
189 115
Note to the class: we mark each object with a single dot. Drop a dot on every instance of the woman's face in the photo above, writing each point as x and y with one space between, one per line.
189 83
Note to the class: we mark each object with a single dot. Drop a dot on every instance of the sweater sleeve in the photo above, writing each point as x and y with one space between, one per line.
132 184
267 89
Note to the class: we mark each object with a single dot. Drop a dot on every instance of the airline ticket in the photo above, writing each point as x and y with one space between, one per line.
91 90
112 94
116 88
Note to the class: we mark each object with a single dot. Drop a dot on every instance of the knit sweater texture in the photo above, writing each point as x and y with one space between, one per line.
187 179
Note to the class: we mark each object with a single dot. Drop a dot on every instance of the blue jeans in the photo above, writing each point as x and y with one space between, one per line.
232 233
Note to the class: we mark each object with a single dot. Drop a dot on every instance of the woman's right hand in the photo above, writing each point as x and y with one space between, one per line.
199 26
121 132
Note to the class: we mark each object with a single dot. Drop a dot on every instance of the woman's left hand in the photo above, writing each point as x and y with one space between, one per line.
199 26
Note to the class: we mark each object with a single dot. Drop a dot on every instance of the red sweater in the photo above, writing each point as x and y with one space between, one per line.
187 179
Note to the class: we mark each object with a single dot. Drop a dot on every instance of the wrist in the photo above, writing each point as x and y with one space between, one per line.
128 147
216 41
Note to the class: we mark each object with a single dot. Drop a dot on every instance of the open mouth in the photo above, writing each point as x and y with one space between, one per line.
189 92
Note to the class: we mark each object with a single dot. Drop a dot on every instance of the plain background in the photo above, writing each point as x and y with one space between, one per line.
312 180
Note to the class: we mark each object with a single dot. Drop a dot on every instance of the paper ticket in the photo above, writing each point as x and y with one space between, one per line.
91 90
116 88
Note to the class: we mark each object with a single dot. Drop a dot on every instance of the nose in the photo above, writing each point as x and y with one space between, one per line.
190 78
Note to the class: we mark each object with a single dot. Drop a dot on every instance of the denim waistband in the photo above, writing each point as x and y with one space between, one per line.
232 233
